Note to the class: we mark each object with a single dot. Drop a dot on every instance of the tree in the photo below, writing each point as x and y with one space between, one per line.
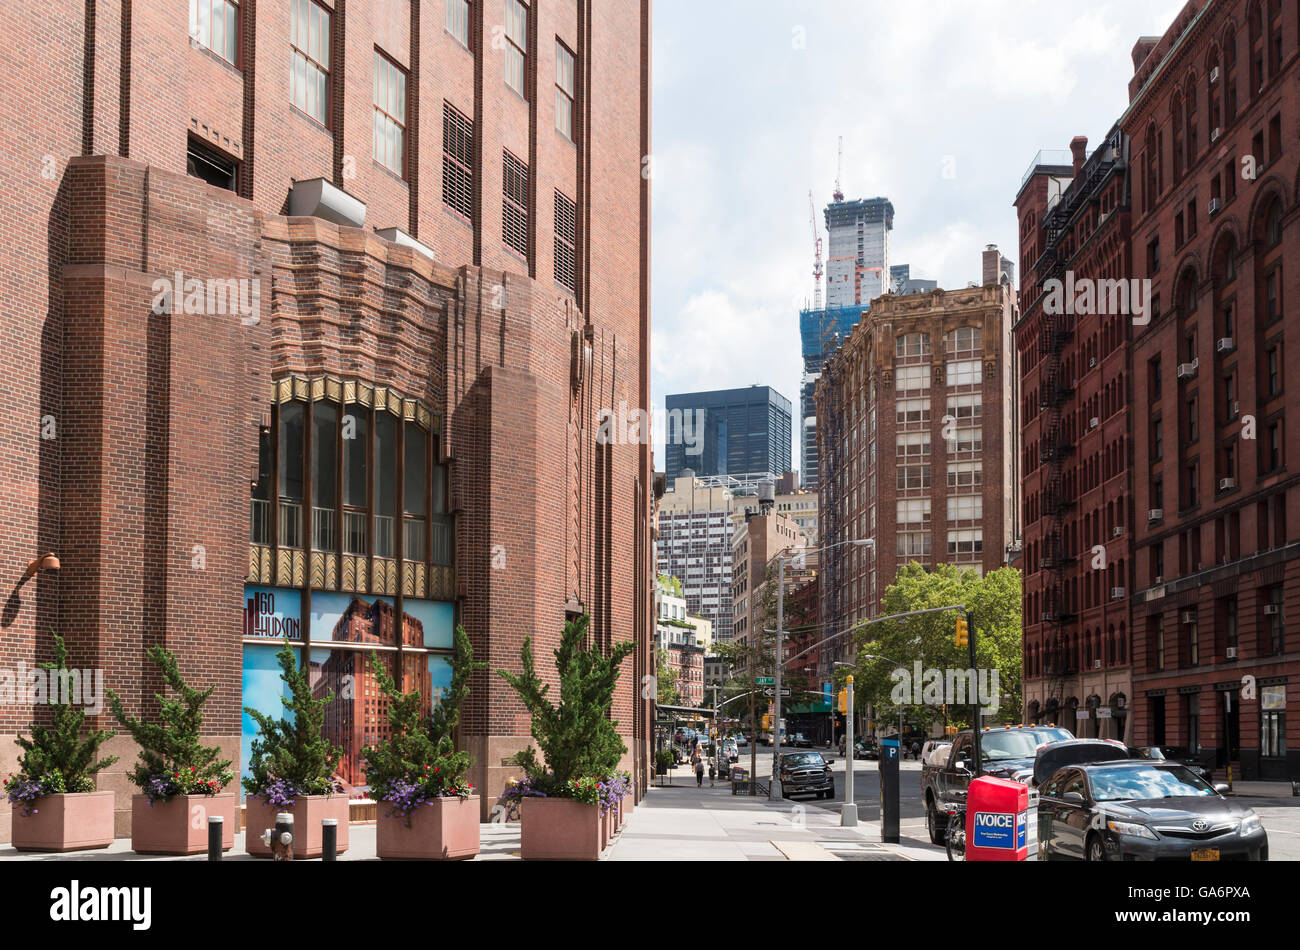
173 759
290 757
577 738
995 601
665 680
57 759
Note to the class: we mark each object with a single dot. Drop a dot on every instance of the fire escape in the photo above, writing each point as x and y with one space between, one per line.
830 459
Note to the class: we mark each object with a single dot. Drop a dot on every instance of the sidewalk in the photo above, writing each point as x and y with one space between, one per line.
1263 789
680 822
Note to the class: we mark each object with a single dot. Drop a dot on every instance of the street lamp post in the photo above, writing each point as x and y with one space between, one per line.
774 786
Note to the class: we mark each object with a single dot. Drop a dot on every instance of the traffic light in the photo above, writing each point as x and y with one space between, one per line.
962 637
767 720
844 701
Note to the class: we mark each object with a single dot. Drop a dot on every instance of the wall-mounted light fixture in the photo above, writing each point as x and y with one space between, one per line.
46 562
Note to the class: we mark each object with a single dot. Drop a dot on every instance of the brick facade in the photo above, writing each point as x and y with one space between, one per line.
131 436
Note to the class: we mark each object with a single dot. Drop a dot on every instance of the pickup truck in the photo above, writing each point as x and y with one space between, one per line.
1005 753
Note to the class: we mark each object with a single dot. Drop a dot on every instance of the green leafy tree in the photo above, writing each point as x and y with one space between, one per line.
576 737
995 600
173 759
57 759
290 757
665 680
419 761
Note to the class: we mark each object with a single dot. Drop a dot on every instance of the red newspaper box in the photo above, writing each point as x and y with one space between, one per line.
997 820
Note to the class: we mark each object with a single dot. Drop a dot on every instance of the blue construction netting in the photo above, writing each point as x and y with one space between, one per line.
817 327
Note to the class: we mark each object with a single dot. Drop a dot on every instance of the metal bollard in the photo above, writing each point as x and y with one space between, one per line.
329 839
216 831
280 838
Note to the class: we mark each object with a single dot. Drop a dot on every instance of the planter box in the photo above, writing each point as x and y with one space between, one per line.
560 829
67 822
180 826
442 830
307 813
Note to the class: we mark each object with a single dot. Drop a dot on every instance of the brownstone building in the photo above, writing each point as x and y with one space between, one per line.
1076 437
919 420
1214 120
312 299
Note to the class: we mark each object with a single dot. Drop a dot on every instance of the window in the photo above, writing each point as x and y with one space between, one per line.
1272 626
324 476
914 544
1273 367
965 474
968 440
965 408
963 372
1272 733
564 86
215 24
965 507
516 45
1153 256
913 476
514 206
390 114
912 378
1193 430
913 410
310 40
1272 446
913 444
913 510
1157 440
566 243
1230 622
457 162
1160 643
291 486
912 344
212 166
964 340
356 442
458 21
385 491
965 542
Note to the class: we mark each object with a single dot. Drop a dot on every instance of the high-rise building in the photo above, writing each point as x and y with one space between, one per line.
694 545
372 263
917 431
745 432
857 271
1076 440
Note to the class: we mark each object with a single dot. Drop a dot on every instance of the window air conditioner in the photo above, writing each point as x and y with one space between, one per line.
1230 653
1272 610
1214 75
1224 345
1116 593
1214 135
1155 514
1094 422
1188 370
1227 483
1096 664
1215 205
1117 531
1188 617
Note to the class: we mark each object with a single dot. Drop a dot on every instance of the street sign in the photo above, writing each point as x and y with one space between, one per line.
764 681
785 691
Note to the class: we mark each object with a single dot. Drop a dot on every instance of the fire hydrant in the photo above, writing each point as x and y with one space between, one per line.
280 838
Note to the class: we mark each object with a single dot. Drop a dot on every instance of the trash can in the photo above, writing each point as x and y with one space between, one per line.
739 781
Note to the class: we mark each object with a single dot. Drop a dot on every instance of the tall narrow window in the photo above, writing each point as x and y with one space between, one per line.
458 20
310 39
442 520
385 475
291 487
259 527
356 448
457 161
324 476
566 243
415 494
390 114
564 86
514 206
215 24
516 45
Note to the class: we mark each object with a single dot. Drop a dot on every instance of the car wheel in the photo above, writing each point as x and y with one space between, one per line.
934 825
1096 849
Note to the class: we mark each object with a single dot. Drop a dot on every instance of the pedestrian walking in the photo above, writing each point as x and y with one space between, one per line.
699 771
713 771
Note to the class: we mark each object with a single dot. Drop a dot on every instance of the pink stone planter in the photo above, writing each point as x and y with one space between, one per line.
307 812
445 829
180 826
68 822
560 829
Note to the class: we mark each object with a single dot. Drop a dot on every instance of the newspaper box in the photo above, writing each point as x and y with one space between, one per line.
997 820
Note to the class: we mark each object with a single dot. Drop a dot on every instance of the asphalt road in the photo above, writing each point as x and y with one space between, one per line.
1281 815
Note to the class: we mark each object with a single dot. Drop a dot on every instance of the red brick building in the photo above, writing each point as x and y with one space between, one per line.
919 421
323 299
1214 120
1076 439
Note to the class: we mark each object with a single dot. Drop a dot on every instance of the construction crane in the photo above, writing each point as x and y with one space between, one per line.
817 248
839 170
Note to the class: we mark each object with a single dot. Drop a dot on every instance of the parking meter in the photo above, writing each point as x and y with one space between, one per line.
889 790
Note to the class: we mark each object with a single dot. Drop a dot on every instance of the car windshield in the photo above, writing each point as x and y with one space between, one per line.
1051 735
803 759
1147 782
996 746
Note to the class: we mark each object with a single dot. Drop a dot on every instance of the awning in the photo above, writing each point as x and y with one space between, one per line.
806 708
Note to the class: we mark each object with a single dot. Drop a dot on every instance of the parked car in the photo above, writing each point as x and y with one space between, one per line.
804 773
1169 753
866 749
800 741
1143 810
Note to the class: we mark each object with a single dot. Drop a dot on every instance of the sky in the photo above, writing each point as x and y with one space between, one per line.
942 105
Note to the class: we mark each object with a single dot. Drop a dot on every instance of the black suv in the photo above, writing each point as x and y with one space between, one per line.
806 773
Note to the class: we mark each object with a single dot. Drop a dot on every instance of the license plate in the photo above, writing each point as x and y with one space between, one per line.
1205 854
